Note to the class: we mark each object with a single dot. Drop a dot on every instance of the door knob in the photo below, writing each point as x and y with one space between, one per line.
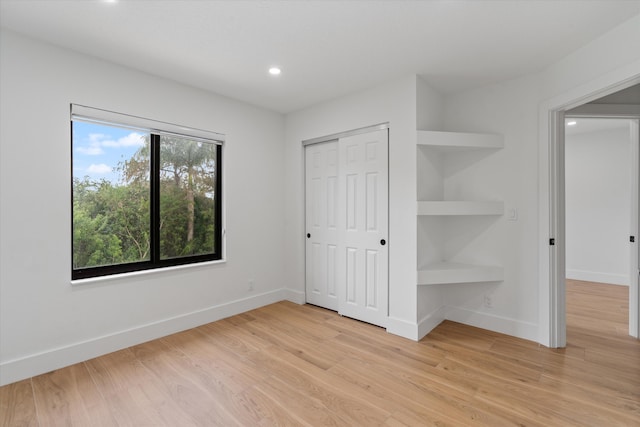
383 242
308 235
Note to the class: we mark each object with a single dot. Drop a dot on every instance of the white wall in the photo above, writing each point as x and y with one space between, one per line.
510 109
598 195
45 322
521 303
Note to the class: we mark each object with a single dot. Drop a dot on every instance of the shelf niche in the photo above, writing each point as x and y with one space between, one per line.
433 151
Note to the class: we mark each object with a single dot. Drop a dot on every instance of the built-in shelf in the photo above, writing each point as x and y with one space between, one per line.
458 141
442 149
461 208
451 272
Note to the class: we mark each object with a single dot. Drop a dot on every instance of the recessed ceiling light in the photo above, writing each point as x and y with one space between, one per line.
274 71
572 123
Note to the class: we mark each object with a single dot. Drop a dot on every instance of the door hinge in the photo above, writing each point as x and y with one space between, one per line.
632 239
552 242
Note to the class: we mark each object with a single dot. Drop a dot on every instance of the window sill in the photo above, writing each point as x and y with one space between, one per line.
134 274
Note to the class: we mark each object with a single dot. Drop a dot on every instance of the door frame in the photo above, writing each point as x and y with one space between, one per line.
336 136
552 309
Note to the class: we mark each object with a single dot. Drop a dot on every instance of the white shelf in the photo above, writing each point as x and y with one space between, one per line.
450 272
458 141
461 208
441 150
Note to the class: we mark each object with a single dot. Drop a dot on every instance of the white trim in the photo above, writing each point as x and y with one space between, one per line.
98 115
336 136
56 358
500 324
618 111
402 328
133 274
503 325
297 297
557 252
634 261
429 322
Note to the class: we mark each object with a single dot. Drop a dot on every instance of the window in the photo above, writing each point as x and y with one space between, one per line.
145 194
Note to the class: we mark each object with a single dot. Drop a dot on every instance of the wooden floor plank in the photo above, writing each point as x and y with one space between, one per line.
337 395
292 365
190 386
283 335
234 372
17 407
70 394
269 410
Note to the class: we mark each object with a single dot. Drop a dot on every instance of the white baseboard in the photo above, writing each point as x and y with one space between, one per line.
430 321
36 364
503 325
294 296
402 328
596 276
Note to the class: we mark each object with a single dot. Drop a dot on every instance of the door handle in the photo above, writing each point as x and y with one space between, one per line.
383 242
308 235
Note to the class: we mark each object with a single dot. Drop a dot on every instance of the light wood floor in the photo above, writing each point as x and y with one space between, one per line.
301 365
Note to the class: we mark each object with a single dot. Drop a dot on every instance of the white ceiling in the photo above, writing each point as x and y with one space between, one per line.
325 48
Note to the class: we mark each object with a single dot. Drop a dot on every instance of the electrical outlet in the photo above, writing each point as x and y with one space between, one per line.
251 284
488 301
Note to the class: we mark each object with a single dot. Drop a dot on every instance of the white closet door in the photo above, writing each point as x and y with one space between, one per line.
321 193
346 184
363 206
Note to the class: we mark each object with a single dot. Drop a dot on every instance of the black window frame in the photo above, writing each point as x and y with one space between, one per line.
155 261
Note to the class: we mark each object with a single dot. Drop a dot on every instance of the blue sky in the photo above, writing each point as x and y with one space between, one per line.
97 149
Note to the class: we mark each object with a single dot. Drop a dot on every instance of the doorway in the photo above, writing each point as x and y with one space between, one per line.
599 101
346 221
598 191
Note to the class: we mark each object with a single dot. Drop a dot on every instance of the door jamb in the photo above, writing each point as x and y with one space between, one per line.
634 283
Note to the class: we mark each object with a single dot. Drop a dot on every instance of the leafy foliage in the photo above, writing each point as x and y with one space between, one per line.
111 222
187 176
